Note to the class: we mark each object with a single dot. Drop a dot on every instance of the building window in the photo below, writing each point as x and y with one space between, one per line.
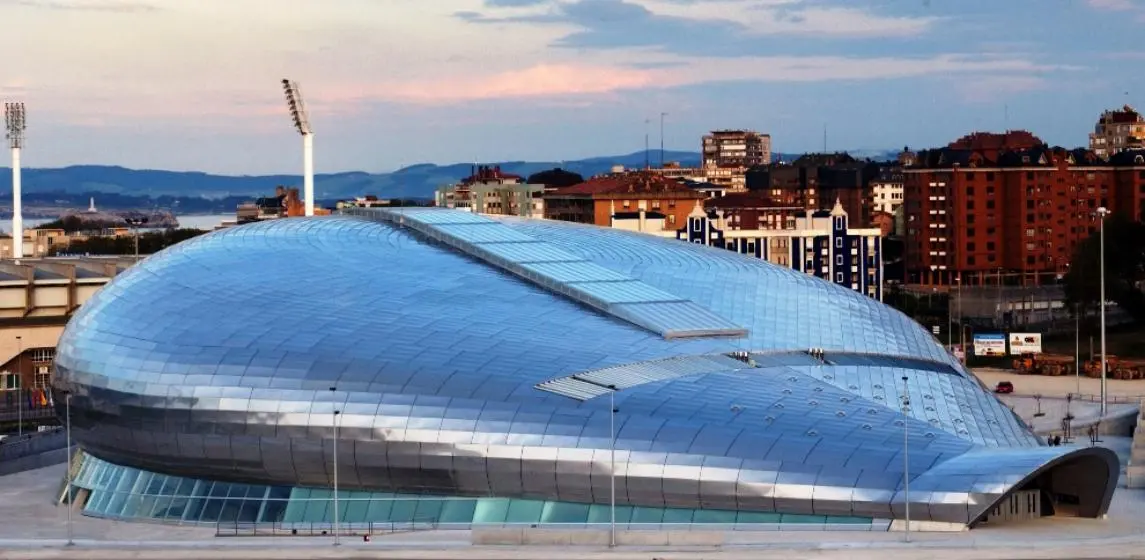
970 232
970 261
43 377
839 260
838 242
970 246
989 245
9 381
990 177
990 204
839 277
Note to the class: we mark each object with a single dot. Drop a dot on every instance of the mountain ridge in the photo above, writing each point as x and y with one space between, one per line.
413 181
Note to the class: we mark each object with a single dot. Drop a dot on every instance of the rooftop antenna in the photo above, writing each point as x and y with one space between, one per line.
301 119
14 127
1006 116
647 164
662 115
824 139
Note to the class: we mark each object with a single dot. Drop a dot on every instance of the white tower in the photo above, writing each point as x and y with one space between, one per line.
14 125
302 123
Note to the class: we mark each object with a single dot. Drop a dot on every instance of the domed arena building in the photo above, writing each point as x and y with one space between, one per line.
475 371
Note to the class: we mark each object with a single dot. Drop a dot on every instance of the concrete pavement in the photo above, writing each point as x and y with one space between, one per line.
1060 386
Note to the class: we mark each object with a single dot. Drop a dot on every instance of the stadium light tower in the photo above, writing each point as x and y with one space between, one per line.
302 123
14 126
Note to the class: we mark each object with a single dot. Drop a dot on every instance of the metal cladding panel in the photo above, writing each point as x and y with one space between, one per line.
215 360
683 319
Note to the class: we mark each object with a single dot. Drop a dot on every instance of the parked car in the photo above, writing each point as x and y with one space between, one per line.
1004 388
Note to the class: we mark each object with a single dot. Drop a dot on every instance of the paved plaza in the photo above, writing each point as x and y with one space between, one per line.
1060 386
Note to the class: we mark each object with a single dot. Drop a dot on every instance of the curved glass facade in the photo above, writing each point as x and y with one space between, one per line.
128 493
504 358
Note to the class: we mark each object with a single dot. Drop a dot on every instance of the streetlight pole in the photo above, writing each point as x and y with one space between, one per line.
19 387
135 223
334 417
1101 213
1077 347
68 415
906 452
612 465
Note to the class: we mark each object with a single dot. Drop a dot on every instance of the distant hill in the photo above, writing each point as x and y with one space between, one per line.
415 181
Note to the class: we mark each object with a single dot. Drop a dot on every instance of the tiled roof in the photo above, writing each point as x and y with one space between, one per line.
624 183
742 200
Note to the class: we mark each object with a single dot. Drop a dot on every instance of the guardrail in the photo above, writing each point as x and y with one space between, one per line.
279 529
1115 399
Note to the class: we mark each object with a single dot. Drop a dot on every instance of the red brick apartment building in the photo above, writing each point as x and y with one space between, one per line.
1007 204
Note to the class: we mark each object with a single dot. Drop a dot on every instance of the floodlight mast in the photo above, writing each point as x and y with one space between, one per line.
14 126
302 123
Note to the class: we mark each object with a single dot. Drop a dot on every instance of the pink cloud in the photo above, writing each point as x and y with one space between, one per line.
554 83
545 80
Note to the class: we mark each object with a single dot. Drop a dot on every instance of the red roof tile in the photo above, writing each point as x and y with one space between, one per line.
625 183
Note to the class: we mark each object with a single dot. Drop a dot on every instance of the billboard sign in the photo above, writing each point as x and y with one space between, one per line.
989 344
1025 343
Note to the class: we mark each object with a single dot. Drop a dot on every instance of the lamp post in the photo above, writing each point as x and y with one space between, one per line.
612 465
14 126
19 387
135 222
68 416
1101 213
301 118
961 322
906 452
334 417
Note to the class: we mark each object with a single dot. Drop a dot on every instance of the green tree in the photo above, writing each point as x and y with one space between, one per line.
150 242
1124 268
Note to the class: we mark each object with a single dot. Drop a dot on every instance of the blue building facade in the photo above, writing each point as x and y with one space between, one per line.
470 370
822 244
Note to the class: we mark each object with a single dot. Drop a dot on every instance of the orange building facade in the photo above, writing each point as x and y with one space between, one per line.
597 200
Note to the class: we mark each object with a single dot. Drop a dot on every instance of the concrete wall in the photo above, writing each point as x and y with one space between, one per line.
1122 424
36 450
